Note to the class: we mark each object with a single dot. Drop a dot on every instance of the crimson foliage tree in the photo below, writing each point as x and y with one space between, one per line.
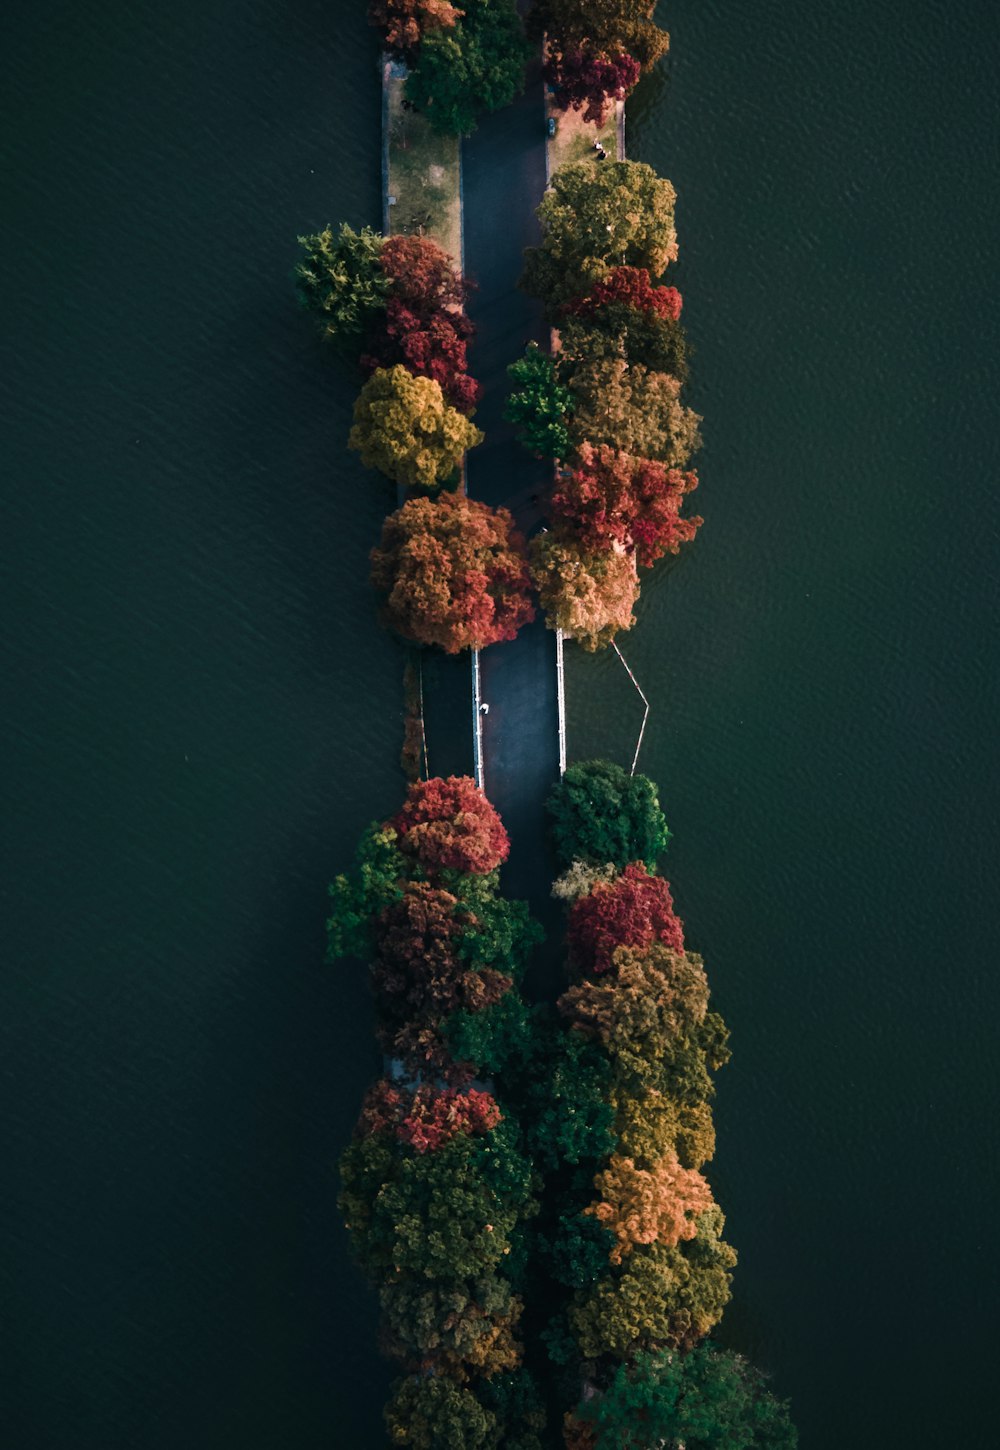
453 572
613 498
634 910
432 346
586 80
424 326
630 287
449 823
626 316
422 275
422 975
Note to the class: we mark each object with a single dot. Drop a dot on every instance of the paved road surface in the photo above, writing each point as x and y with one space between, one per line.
504 175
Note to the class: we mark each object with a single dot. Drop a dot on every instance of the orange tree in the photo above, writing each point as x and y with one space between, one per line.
453 573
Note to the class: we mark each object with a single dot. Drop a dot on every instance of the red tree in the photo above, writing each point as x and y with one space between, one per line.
583 78
454 573
421 977
428 1117
424 326
632 287
634 910
613 498
450 823
422 275
439 1114
431 345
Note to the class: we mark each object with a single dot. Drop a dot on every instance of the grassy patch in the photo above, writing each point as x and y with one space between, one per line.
423 176
574 138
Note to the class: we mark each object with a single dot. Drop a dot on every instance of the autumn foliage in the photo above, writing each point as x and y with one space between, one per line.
588 594
589 81
404 23
449 823
635 910
453 573
630 287
609 497
657 1205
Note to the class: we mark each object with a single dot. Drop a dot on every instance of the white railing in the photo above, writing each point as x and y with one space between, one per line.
561 700
477 724
642 697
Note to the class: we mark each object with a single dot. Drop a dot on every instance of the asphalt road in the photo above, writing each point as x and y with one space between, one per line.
504 177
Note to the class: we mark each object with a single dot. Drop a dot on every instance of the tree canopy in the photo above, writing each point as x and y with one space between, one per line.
449 823
595 219
708 1399
660 1296
589 595
586 80
634 910
539 404
600 813
340 279
608 497
476 65
453 573
404 23
601 26
404 427
633 410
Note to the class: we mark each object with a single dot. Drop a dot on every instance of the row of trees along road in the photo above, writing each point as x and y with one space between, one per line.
451 571
606 408
437 1189
462 59
525 1186
636 1240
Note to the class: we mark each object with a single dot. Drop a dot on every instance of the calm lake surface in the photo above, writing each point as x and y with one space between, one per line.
201 714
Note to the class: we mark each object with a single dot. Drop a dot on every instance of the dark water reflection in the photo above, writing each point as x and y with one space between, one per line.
202 714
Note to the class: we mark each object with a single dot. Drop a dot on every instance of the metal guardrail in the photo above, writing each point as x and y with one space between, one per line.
477 724
642 697
561 700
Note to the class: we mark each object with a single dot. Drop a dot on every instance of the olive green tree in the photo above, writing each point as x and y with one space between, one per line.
404 427
620 213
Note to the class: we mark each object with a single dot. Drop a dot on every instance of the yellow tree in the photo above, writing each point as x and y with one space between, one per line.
404 427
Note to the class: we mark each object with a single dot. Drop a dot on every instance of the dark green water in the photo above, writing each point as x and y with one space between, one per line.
201 715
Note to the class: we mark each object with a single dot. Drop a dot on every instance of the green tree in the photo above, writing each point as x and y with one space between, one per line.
709 1399
598 813
632 409
450 1214
539 404
659 1297
602 26
455 1326
404 427
594 219
340 279
380 869
476 65
432 1412
568 1117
